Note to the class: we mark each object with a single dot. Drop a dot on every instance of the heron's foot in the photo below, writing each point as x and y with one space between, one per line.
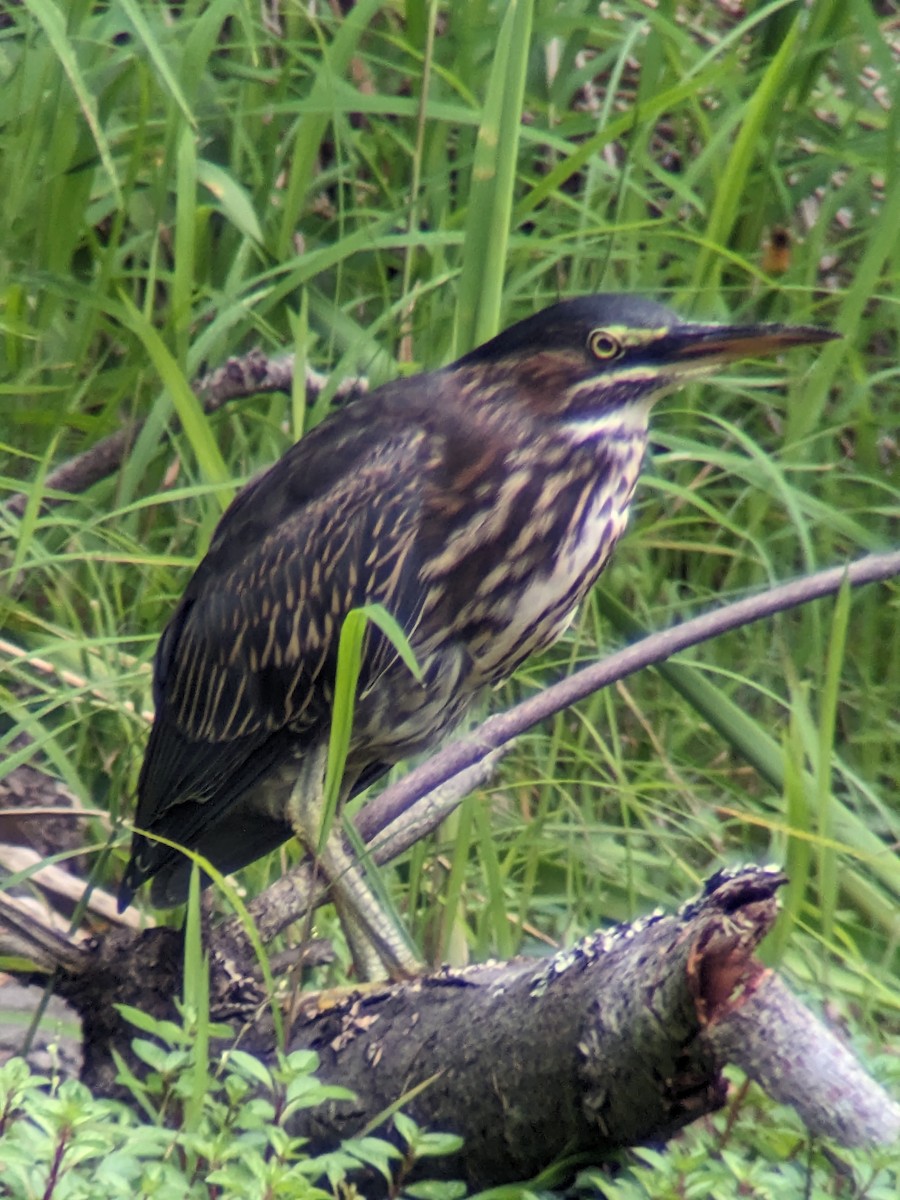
379 947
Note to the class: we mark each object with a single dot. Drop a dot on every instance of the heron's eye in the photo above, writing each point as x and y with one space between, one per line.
603 345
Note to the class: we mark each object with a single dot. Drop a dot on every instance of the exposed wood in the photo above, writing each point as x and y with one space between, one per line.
771 1036
619 1040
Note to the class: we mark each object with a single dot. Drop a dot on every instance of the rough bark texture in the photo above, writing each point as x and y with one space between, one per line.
617 1041
773 1038
598 1047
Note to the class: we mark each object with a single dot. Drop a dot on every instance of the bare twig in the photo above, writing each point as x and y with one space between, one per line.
250 374
28 932
60 883
416 804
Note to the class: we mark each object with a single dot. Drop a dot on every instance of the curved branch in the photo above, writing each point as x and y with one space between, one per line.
250 374
416 804
501 729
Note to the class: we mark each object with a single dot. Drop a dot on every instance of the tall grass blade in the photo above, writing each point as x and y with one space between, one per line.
190 412
183 274
732 183
54 25
317 113
349 662
158 57
196 1003
882 243
491 195
828 709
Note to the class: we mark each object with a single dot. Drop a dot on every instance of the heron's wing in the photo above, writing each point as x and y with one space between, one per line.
246 667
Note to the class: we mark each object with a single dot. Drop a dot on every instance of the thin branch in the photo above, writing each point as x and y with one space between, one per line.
249 374
417 804
27 931
61 884
499 730
12 653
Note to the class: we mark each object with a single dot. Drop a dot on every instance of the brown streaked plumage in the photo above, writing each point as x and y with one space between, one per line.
477 504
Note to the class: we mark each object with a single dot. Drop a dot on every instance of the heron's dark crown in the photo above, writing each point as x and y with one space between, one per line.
566 326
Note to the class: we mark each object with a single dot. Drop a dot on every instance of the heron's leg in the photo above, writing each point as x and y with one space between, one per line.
376 944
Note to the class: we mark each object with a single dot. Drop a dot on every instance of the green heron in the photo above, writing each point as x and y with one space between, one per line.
478 504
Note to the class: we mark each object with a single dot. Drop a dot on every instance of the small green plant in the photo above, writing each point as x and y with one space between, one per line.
58 1140
754 1148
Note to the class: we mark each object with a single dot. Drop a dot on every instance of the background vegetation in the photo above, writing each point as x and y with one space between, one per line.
378 190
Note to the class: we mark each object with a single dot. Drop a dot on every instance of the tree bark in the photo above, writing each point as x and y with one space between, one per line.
249 374
617 1041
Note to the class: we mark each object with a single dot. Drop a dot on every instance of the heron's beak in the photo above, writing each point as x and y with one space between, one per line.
694 344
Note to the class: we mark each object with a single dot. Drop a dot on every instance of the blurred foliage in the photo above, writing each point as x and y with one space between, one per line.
185 181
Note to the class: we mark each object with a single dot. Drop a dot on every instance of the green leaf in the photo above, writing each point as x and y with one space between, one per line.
157 56
248 1066
349 663
54 26
232 197
190 412
828 709
492 190
334 59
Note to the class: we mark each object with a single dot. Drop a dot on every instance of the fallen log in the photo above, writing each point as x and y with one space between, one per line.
618 1041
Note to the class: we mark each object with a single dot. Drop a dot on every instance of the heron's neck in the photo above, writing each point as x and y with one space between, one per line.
626 424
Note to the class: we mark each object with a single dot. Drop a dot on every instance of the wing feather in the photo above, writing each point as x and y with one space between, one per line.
244 671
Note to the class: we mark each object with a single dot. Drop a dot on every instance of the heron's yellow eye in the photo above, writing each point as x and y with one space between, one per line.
603 345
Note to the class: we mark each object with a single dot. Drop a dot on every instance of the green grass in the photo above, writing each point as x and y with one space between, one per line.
182 185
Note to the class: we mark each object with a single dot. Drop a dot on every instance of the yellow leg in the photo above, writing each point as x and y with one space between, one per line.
378 947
